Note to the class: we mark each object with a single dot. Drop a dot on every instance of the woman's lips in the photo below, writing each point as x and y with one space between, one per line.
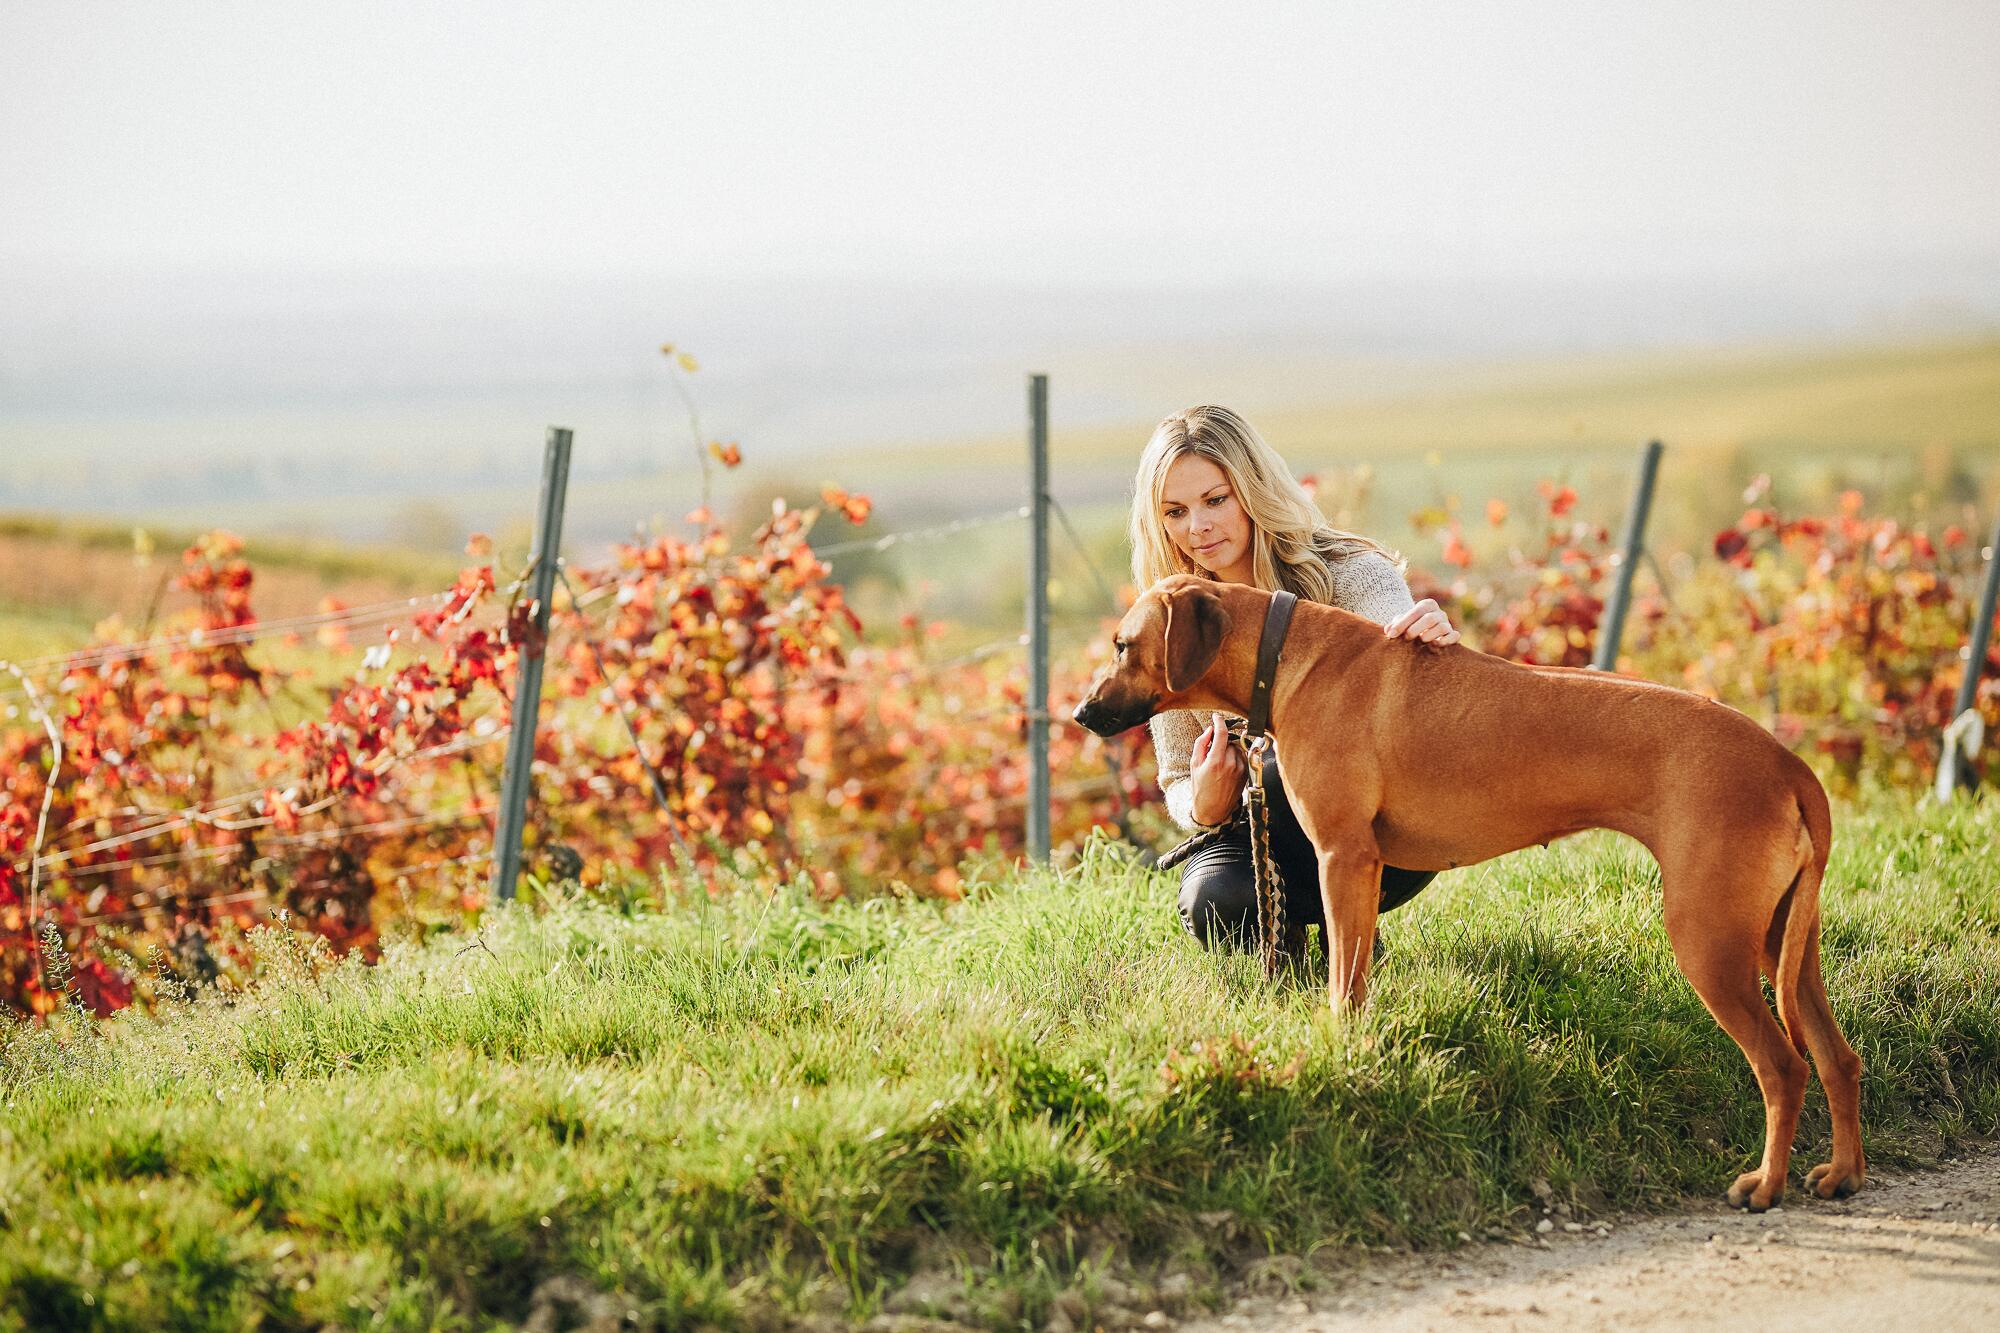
1211 546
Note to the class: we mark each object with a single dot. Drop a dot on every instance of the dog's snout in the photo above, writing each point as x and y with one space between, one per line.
1095 715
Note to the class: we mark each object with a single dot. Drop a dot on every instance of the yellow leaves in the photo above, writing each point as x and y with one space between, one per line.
1430 516
685 360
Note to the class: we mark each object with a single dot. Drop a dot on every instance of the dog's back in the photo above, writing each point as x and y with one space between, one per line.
1449 732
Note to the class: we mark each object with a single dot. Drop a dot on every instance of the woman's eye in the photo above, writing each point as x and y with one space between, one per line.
1214 500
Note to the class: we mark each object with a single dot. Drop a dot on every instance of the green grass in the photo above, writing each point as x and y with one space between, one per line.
724 1113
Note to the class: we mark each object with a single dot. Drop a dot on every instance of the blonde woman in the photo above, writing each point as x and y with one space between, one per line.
1213 499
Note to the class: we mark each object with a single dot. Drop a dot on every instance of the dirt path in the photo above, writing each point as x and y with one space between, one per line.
1912 1251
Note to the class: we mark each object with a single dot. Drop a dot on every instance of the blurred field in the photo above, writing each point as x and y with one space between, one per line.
1861 399
1915 426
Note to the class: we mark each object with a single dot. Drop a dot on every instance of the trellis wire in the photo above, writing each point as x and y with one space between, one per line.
309 838
240 895
887 540
181 819
98 654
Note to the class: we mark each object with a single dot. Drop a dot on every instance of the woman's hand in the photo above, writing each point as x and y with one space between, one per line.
1218 773
1423 621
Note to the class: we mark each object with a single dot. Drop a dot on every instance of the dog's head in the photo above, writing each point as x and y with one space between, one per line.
1164 645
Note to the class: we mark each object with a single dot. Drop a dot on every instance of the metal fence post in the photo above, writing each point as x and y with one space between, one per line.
1038 617
528 688
1634 541
1954 770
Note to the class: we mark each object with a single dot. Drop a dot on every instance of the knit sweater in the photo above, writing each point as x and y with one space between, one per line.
1366 584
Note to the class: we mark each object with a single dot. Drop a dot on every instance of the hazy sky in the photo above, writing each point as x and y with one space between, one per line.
1064 142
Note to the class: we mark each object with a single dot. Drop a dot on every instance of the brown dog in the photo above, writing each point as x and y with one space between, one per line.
1431 757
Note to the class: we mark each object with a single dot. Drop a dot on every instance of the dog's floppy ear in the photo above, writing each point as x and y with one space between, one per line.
1196 622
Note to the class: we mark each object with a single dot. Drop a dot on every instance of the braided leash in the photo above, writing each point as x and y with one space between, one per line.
1264 868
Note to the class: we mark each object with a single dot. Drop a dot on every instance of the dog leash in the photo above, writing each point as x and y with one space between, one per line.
1252 735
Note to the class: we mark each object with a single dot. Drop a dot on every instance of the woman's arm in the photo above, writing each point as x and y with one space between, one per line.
1369 585
1174 735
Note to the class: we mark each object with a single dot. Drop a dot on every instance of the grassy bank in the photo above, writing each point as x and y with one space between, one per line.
734 1112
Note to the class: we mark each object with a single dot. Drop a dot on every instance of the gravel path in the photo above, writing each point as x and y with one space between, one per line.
1911 1251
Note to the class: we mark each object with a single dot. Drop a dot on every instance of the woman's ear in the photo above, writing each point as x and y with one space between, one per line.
1196 622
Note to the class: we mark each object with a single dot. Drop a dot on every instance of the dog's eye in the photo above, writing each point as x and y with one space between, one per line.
1119 646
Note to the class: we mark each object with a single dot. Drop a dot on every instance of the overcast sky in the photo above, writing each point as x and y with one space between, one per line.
1138 143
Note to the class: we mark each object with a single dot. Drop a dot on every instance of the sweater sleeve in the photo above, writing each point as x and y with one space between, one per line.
1174 735
1369 585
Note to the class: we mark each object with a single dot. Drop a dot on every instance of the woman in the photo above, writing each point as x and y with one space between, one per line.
1213 499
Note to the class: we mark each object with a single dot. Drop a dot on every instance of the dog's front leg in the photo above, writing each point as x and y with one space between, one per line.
1350 889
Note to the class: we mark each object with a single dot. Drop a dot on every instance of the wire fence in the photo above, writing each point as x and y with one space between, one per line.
345 617
237 812
286 862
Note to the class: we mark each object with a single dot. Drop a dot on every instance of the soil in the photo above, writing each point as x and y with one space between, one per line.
1913 1250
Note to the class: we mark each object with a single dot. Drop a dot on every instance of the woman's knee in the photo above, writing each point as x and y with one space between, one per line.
1218 901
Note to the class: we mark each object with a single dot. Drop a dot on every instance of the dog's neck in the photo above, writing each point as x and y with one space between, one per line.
1227 684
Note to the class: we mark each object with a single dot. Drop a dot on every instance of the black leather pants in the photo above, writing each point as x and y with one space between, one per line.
1219 889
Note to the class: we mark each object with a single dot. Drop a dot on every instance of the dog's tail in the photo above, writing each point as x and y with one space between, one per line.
1800 905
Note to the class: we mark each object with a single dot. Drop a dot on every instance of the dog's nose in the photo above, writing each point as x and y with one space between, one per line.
1087 714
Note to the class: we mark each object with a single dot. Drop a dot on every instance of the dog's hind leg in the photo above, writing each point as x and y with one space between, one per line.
1840 1073
1719 951
1802 1003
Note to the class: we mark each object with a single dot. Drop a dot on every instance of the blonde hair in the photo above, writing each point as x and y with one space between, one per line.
1293 545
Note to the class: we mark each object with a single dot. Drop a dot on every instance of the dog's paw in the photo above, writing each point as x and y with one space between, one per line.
1833 1182
1752 1193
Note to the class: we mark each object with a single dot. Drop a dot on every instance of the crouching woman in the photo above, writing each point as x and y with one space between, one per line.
1213 499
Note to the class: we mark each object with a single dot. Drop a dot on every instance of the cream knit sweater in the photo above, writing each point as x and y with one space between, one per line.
1366 584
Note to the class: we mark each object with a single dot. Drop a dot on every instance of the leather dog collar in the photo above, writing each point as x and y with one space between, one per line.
1270 646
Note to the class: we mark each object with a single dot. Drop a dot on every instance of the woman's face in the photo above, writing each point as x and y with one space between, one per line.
1205 520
